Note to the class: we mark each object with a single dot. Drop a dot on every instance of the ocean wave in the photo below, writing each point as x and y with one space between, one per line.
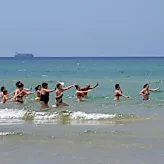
23 115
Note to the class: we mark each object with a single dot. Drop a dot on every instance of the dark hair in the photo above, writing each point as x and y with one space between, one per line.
58 85
5 92
37 87
44 85
2 88
20 85
117 85
76 86
145 85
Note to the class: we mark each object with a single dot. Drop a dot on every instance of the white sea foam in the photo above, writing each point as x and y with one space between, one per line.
11 113
15 114
91 116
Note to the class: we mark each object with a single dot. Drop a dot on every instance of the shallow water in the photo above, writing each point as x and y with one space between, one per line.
98 130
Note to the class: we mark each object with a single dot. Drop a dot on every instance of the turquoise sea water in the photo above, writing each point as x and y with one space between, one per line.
99 130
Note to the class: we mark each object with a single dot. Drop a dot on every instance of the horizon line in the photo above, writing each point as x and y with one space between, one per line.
83 57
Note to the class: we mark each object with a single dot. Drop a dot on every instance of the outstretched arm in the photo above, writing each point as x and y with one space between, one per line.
84 91
153 90
67 88
121 94
93 87
47 90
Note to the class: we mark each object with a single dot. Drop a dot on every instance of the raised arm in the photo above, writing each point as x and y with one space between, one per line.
67 88
93 87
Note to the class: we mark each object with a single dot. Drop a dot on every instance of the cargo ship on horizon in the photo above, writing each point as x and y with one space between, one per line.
23 55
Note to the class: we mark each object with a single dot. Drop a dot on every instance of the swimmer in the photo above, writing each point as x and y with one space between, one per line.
59 94
80 95
2 90
44 99
88 87
5 97
145 92
38 92
20 93
26 89
118 93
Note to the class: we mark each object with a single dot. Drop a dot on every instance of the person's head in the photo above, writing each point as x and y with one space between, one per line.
38 87
146 86
20 86
18 83
117 86
5 92
77 87
3 89
59 86
45 85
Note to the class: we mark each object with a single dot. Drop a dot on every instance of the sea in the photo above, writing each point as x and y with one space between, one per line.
98 130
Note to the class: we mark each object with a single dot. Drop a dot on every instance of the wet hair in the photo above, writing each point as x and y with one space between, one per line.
145 85
44 85
117 85
37 87
5 92
76 86
2 88
20 85
58 85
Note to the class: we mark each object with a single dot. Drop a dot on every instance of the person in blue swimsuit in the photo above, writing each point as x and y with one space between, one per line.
145 92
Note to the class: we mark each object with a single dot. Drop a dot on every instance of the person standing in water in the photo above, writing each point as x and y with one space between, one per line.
26 89
88 87
118 92
38 92
59 94
5 97
80 95
145 92
44 98
2 90
20 93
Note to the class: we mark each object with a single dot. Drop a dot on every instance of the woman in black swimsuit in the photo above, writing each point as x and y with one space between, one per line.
59 94
20 93
44 99
118 93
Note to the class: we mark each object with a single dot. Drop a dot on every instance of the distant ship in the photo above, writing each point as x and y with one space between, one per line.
23 55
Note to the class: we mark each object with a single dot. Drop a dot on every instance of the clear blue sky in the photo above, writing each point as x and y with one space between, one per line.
82 27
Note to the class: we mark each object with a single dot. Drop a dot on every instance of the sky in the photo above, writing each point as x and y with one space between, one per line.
82 27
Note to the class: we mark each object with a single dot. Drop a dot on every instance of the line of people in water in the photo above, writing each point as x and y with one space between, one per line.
42 93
